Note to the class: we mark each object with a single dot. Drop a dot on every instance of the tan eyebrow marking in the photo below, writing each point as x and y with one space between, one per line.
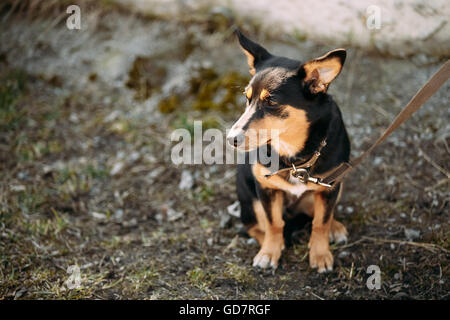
264 94
249 93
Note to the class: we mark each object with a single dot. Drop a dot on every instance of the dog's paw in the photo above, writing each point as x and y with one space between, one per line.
338 233
268 257
320 257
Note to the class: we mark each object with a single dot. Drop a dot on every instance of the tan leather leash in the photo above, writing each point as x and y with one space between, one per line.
430 87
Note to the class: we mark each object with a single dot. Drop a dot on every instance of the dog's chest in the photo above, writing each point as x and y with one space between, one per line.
298 188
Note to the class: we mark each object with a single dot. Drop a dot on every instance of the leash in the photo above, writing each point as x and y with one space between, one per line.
339 173
430 88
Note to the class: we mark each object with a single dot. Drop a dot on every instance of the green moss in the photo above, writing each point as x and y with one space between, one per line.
30 201
239 273
199 278
204 194
143 278
169 105
217 92
96 172
12 88
144 77
211 92
189 45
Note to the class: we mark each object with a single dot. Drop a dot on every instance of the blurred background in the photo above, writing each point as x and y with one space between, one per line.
86 177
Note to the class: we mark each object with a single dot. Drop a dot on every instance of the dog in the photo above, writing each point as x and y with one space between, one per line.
290 97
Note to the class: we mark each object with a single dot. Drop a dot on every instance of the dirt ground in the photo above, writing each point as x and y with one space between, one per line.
86 177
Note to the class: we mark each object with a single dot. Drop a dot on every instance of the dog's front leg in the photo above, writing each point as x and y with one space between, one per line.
320 256
273 243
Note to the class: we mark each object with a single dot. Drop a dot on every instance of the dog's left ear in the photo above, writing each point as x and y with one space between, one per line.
319 72
255 53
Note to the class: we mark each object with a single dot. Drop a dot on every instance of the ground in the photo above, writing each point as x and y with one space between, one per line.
86 177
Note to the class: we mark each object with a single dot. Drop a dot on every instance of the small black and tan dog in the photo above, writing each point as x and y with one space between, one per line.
290 97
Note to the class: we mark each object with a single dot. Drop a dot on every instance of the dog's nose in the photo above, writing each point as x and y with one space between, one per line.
236 141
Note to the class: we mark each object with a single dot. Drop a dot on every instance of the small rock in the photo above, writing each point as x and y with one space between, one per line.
107 100
22 175
134 156
112 116
403 215
98 215
210 241
349 210
391 181
251 241
343 254
392 246
225 221
377 161
173 215
412 234
131 223
234 209
159 217
17 188
118 214
154 173
74 118
20 293
117 168
186 181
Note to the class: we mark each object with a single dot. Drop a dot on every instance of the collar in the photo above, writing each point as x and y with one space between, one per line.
300 168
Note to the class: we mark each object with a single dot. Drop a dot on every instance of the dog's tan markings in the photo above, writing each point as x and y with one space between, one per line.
320 256
321 71
264 94
257 231
338 232
249 93
292 130
273 242
250 61
260 215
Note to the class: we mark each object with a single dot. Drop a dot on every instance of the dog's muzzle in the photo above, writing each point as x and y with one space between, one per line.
236 141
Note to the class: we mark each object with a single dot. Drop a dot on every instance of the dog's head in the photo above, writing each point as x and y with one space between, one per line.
284 97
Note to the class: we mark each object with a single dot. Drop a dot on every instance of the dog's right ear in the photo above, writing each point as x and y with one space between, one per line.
254 52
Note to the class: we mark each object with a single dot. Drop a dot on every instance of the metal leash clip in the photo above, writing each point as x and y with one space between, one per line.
304 177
